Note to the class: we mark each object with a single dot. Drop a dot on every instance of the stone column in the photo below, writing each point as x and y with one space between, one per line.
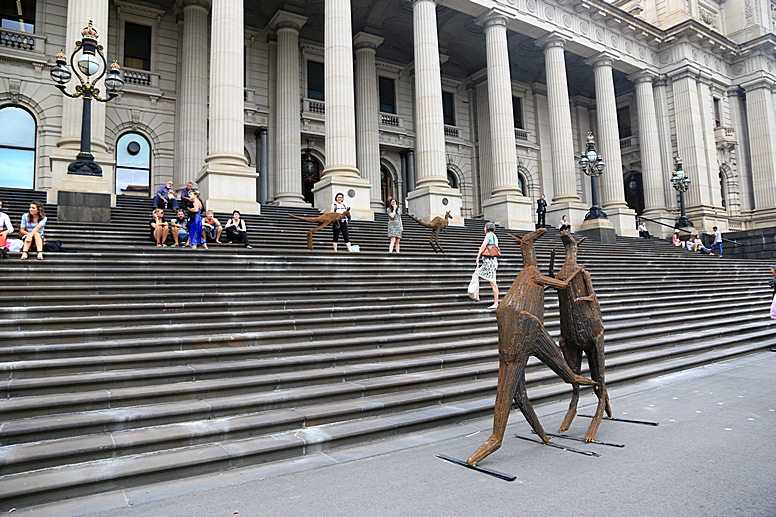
192 133
287 125
506 205
761 115
340 173
262 165
565 200
739 122
649 146
272 69
79 13
608 146
664 136
227 182
691 146
432 190
367 112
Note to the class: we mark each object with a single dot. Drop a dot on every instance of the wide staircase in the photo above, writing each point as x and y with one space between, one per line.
123 364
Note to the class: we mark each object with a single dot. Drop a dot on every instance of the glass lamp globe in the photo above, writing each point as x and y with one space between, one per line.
88 64
600 164
114 83
60 74
583 162
591 156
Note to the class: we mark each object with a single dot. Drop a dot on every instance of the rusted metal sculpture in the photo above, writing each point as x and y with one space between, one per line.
521 334
581 330
323 220
437 225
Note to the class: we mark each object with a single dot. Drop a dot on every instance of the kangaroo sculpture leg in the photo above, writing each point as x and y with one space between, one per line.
595 358
574 359
310 235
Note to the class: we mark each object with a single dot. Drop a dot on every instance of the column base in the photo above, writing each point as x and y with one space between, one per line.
764 218
573 210
61 180
224 188
355 189
426 203
598 229
704 218
623 219
509 211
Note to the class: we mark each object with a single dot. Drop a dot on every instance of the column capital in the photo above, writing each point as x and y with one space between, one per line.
760 82
491 18
642 77
365 40
602 59
418 1
684 73
660 80
204 4
286 20
553 39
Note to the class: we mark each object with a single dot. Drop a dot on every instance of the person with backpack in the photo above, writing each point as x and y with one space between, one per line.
489 252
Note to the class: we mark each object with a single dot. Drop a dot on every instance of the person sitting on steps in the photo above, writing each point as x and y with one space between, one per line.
31 229
236 230
160 228
211 228
564 224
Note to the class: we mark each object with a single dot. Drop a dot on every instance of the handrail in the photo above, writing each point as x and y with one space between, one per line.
685 231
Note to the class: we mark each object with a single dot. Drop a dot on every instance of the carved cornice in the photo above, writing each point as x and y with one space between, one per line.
124 7
286 20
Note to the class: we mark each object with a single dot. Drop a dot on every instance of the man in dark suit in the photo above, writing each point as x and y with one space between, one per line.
541 212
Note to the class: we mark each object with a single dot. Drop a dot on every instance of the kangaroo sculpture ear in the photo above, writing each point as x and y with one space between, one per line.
517 239
579 243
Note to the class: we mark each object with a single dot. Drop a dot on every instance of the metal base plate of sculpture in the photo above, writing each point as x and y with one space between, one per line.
437 225
490 472
521 334
323 221
581 330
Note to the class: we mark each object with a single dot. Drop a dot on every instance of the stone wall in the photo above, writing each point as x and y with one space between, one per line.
756 244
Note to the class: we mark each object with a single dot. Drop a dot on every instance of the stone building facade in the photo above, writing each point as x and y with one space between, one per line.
473 106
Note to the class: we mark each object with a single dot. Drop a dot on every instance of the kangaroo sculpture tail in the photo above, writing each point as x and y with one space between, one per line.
306 219
427 225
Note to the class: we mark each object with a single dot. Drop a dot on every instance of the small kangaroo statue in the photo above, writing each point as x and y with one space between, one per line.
437 225
521 334
324 220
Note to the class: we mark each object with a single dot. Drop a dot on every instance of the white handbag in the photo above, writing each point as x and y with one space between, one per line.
474 286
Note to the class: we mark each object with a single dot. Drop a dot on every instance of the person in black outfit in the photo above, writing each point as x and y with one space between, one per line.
541 212
236 231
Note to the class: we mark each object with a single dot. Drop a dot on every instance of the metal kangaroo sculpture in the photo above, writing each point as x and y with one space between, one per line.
581 330
324 220
521 334
437 225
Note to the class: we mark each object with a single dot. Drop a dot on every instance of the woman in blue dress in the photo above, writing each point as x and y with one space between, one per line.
195 221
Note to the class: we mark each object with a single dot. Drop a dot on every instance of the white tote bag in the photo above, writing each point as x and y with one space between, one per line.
474 286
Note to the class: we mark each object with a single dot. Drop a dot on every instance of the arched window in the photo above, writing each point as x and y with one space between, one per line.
17 148
521 184
311 174
452 179
133 165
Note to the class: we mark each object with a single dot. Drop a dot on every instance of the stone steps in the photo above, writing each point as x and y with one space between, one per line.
124 364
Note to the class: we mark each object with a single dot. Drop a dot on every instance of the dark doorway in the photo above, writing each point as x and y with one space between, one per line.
386 184
634 192
311 174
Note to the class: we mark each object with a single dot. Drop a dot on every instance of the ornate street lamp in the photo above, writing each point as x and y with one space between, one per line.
681 183
93 69
592 165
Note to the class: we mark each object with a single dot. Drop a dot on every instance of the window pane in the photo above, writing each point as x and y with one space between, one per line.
132 150
448 108
17 168
387 95
133 181
315 88
624 121
18 15
137 46
23 134
517 110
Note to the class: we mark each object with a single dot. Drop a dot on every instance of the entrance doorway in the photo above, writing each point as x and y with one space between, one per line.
634 192
311 174
386 185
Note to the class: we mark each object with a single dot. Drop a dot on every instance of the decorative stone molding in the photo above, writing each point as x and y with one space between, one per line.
14 88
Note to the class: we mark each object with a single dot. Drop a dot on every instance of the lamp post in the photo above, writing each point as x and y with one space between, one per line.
681 183
592 165
93 70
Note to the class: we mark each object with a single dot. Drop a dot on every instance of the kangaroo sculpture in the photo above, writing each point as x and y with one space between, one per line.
437 225
581 330
323 220
521 334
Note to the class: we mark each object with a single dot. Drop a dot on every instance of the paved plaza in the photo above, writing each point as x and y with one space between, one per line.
712 454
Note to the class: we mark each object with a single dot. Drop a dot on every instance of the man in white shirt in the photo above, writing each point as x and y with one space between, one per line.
717 242
698 245
6 228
